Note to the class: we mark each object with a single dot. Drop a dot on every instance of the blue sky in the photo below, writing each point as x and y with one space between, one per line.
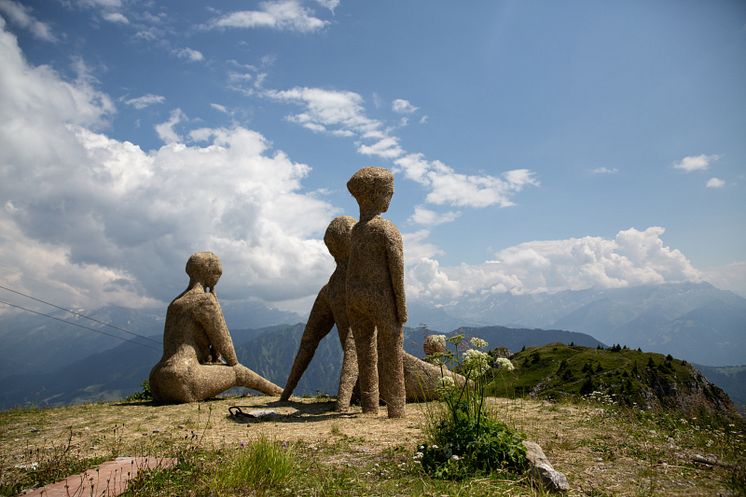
537 146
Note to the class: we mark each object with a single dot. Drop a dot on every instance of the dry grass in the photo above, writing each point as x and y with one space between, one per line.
603 451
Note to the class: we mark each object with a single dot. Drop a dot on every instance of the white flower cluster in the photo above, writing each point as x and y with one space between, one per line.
446 383
478 343
476 362
439 340
504 363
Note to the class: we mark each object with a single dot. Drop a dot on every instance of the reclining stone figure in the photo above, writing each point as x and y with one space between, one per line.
195 337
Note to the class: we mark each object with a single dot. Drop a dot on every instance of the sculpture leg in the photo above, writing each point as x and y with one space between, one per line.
205 381
391 366
320 322
249 379
364 334
348 374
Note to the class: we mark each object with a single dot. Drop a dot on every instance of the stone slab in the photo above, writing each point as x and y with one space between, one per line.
108 480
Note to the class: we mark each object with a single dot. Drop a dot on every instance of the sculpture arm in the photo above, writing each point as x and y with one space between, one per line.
210 316
395 260
320 323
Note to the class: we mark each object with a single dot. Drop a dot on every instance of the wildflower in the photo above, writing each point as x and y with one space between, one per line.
454 457
477 342
242 444
504 363
418 455
446 383
477 362
434 446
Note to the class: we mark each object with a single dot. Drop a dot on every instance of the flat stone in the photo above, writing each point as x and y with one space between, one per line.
110 478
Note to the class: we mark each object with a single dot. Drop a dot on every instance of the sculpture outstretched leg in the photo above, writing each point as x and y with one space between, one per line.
249 379
320 322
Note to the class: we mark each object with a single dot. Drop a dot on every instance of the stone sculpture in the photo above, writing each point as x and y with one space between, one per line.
328 310
421 379
376 305
195 337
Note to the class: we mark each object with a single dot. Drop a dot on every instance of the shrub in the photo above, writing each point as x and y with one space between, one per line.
145 394
464 440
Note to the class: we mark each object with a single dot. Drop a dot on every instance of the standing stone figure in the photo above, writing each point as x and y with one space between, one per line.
328 310
194 335
376 305
421 379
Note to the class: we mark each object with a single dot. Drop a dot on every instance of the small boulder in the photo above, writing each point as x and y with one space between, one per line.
542 471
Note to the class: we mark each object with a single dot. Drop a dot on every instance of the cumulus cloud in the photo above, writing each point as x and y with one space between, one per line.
342 113
386 148
166 131
452 188
715 183
402 106
282 15
21 15
115 17
219 108
89 220
190 54
145 101
632 257
329 4
427 217
695 162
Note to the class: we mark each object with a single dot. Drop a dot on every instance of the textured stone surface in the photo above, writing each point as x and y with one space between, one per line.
421 379
199 360
330 309
376 305
434 344
542 471
110 478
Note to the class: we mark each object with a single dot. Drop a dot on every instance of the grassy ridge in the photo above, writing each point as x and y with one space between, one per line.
628 377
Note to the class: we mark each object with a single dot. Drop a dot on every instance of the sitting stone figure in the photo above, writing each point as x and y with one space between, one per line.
195 336
376 304
421 379
328 310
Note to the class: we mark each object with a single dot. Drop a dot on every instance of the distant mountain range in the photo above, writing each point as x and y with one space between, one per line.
46 361
119 371
693 321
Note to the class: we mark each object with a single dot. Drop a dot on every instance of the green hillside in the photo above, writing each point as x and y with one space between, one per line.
618 374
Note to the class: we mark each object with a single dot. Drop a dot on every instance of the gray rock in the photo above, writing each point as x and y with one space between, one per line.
542 471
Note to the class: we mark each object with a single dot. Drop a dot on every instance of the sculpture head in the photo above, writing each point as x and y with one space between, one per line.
205 268
373 188
337 237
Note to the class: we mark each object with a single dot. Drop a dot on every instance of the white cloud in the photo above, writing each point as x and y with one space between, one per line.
695 162
631 258
165 130
427 217
402 106
715 183
145 101
115 17
424 119
282 15
416 246
190 54
387 148
342 113
329 4
605 170
21 15
91 220
452 188
219 108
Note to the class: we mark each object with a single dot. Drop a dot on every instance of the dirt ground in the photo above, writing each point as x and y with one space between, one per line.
601 453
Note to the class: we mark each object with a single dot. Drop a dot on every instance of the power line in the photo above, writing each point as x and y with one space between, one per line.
79 315
79 325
